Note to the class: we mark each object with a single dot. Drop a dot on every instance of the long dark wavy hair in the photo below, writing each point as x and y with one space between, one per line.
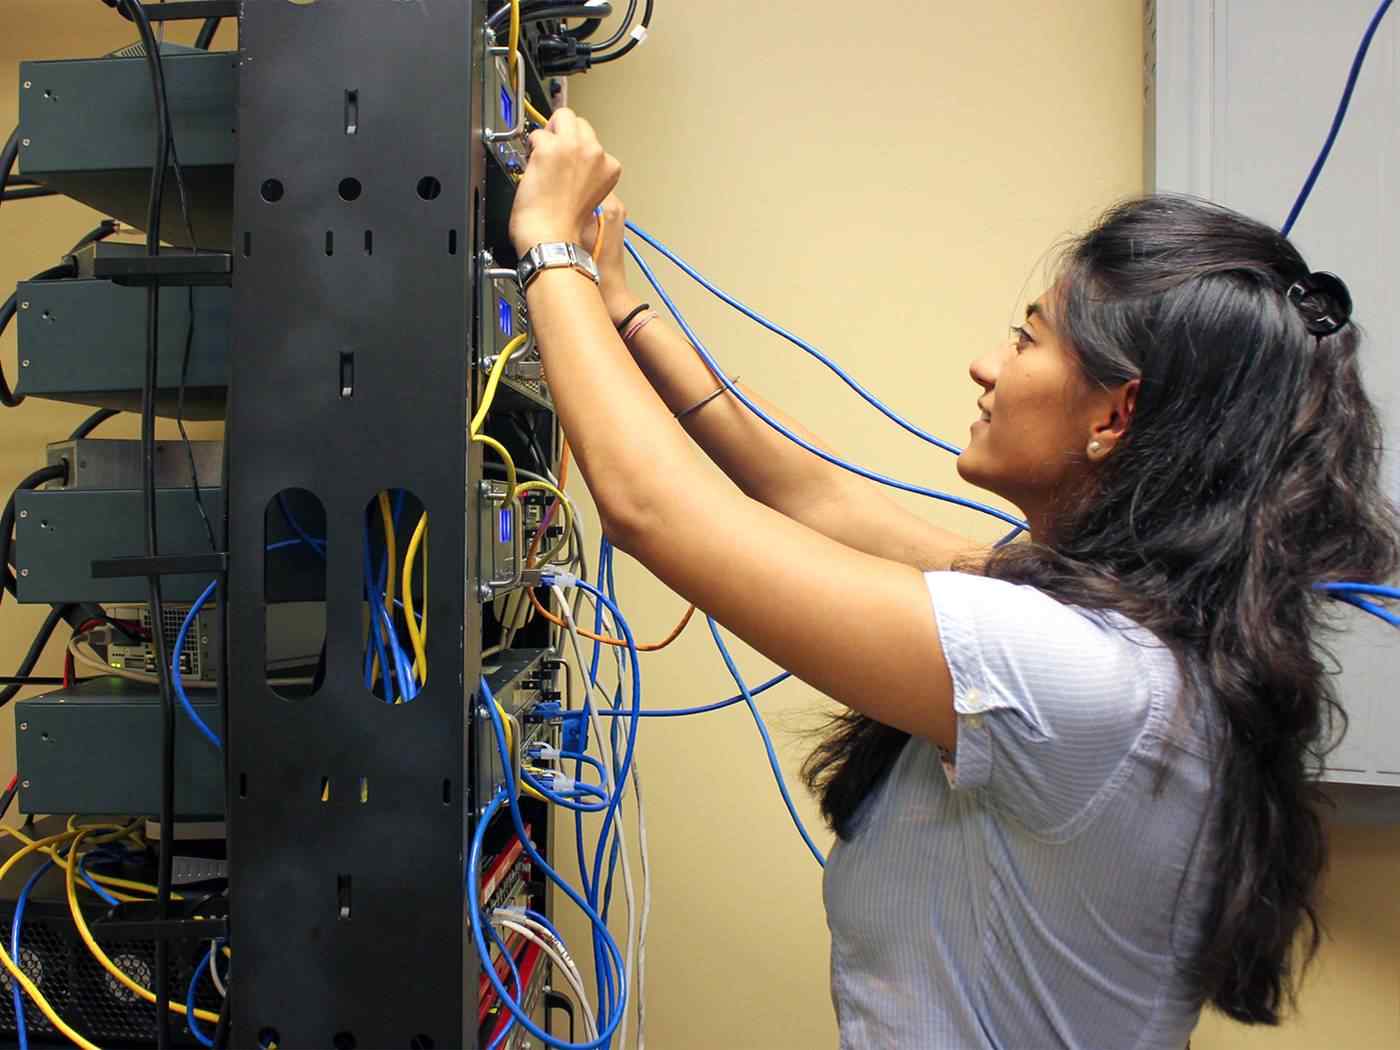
1249 473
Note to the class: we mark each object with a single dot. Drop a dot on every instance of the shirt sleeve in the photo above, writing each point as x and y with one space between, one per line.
1050 700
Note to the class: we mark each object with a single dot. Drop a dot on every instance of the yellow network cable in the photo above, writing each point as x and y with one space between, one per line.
530 110
514 31
416 637
105 880
492 382
390 551
500 450
97 953
19 975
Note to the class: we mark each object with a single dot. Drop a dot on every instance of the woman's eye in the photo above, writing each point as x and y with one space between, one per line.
1020 338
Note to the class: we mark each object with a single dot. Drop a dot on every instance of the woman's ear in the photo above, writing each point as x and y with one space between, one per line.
1113 420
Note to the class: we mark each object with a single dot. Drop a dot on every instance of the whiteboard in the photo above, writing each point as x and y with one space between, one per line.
1239 95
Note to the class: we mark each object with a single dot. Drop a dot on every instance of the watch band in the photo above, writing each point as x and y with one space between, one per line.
552 255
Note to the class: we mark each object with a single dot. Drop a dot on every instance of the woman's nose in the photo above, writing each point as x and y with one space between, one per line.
985 369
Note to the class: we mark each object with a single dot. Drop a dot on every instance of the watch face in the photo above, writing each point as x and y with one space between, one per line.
555 254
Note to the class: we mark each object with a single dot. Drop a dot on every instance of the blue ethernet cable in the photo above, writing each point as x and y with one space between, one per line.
767 740
317 545
1359 595
16 927
375 650
588 759
511 796
678 712
615 851
514 977
1377 590
92 883
601 974
795 340
190 1019
508 796
728 384
543 920
568 800
175 678
1337 119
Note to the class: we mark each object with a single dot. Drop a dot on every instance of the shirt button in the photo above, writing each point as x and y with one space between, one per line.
973 721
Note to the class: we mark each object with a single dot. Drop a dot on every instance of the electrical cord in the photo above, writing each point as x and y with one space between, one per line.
618 34
105 229
635 37
29 193
164 153
92 422
36 649
206 33
8 155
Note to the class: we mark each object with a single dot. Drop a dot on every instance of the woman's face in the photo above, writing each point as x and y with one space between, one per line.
1043 425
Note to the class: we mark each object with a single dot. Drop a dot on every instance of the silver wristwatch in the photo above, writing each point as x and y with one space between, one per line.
555 254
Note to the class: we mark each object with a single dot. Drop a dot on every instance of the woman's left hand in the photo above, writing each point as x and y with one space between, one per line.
568 176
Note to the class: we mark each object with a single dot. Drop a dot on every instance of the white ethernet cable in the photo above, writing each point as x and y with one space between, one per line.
558 954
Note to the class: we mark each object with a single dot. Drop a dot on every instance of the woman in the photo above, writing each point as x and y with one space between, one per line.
1072 793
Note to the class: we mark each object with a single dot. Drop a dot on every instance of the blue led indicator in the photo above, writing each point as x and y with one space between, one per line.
505 526
505 317
507 109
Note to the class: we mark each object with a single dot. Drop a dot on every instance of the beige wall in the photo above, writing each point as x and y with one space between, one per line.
887 194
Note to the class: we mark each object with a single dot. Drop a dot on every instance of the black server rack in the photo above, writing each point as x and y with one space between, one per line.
348 186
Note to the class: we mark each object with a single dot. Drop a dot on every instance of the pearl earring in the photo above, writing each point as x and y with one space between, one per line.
1095 447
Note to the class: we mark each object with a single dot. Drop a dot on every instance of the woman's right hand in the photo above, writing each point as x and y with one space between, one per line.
612 272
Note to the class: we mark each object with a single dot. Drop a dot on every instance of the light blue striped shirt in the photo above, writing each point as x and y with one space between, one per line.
1035 890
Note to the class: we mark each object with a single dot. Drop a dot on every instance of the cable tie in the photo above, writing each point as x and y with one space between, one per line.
640 34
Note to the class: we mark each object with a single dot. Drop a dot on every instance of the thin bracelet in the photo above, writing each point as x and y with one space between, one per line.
706 399
622 325
637 326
